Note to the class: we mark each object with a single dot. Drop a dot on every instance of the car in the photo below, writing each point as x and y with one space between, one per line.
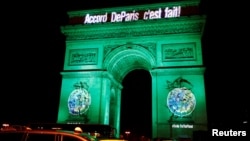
23 133
97 130
57 132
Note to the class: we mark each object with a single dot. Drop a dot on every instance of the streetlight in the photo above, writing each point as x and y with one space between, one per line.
127 133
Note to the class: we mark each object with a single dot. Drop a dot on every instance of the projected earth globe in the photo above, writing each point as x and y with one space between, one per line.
79 101
181 101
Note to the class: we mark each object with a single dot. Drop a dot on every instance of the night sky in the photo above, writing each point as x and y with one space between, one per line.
32 54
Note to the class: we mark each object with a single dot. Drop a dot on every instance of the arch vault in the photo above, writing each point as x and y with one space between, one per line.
126 58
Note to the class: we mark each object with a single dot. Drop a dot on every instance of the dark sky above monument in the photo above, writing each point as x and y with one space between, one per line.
32 56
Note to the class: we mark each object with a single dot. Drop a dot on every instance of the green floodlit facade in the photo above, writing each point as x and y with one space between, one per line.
99 55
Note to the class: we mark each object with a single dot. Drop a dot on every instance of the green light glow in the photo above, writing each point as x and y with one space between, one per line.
101 55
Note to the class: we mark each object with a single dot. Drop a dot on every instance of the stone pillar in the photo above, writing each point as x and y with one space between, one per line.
114 102
118 112
154 105
105 101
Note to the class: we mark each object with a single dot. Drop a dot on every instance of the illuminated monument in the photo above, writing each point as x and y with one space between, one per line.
104 45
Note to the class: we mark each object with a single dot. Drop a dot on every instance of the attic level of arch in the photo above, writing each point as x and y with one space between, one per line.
181 25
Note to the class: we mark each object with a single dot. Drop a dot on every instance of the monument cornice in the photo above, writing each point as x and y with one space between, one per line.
189 24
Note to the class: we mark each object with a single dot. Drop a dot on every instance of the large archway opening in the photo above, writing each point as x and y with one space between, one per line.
136 103
129 65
